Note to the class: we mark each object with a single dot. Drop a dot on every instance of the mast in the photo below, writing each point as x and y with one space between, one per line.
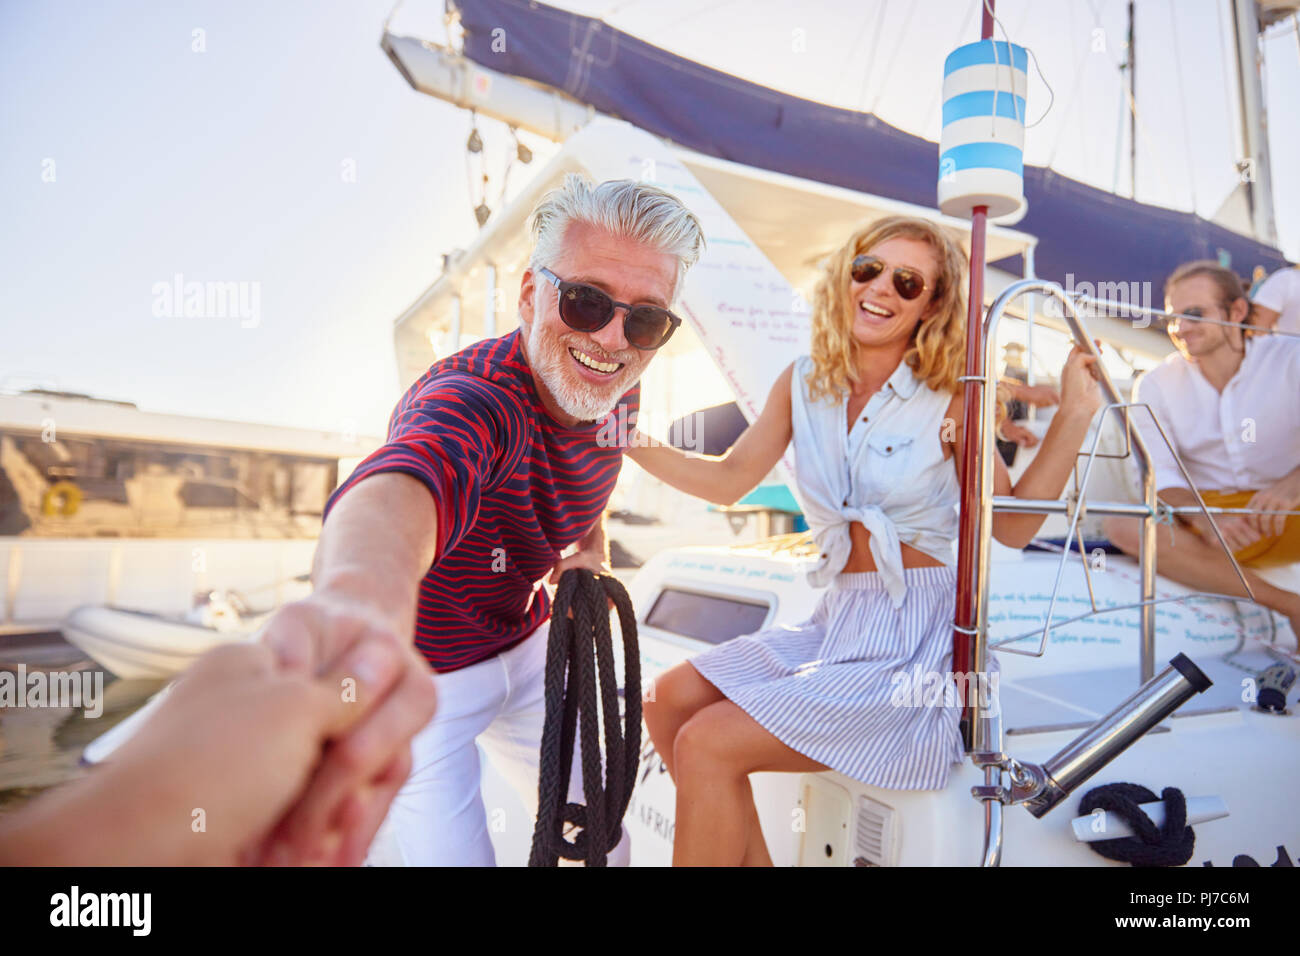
1257 171
1132 103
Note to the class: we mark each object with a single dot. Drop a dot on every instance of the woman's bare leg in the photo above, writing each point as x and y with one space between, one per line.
714 754
674 698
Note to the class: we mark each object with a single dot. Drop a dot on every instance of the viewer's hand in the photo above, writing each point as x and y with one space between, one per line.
206 777
362 771
1283 496
1080 391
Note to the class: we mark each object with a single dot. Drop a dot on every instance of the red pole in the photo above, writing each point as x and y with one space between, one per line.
963 643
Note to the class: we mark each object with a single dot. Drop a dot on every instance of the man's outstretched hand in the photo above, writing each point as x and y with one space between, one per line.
360 772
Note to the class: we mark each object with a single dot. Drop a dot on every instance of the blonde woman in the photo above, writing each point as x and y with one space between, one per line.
876 417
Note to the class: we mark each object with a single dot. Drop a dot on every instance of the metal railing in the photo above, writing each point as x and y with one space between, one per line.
1074 509
1041 788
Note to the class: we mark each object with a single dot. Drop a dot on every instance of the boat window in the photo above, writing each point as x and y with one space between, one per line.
706 617
89 486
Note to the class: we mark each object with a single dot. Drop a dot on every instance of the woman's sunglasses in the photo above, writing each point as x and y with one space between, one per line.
908 282
585 308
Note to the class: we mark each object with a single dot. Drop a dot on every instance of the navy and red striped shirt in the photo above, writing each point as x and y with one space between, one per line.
512 486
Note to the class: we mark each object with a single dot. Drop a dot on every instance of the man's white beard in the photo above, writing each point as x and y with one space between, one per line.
585 403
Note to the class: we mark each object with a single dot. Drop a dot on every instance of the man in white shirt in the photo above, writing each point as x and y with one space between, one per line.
1229 401
1277 303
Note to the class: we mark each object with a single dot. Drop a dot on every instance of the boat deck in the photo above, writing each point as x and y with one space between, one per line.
1077 699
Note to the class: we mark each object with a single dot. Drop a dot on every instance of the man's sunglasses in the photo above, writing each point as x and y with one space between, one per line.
1195 312
585 308
908 282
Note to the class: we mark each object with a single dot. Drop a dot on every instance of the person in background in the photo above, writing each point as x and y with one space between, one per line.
1229 400
1014 389
1277 301
1257 277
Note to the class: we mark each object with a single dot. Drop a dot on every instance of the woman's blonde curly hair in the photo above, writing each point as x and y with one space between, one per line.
937 354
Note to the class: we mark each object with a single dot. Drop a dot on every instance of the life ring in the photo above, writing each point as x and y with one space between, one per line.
61 498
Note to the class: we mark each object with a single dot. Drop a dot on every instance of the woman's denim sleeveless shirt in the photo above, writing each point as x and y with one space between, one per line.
888 472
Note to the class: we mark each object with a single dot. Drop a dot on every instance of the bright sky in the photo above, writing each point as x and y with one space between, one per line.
887 57
277 148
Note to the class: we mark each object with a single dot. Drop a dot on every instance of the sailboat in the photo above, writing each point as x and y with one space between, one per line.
741 156
1086 695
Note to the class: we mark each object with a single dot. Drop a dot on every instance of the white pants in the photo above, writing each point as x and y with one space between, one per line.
438 818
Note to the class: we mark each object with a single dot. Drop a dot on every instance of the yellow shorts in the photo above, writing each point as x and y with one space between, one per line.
1266 552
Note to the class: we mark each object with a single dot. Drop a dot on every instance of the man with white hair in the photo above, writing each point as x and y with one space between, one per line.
493 466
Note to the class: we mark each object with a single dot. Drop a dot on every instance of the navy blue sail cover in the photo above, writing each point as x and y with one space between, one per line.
1092 234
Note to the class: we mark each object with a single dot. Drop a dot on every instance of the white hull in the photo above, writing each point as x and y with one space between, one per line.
48 578
134 645
1215 746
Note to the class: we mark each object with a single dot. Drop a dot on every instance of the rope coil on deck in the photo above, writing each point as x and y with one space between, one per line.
580 653
1171 845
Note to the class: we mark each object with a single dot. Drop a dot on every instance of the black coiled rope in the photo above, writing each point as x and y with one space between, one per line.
579 652
1170 845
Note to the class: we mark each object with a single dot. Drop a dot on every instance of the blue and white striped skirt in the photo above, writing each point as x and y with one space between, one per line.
862 687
